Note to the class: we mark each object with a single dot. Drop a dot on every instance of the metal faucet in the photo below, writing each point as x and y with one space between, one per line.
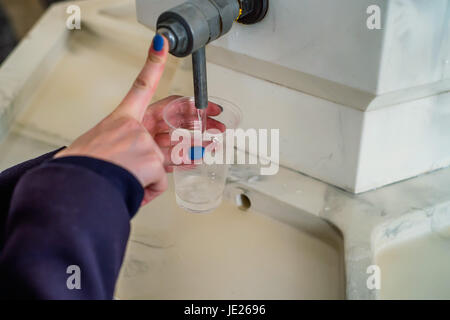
190 26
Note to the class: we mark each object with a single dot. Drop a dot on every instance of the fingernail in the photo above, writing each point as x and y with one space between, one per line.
158 42
221 108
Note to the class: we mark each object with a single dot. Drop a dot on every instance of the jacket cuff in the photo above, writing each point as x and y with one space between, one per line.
123 180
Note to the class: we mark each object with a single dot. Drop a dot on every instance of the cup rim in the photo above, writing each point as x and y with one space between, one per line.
229 104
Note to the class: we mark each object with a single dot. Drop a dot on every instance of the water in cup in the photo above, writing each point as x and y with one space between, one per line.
199 188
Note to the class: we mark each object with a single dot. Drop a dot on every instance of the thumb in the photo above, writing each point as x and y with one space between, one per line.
141 93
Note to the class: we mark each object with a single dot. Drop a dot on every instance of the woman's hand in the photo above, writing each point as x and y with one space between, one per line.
159 129
122 138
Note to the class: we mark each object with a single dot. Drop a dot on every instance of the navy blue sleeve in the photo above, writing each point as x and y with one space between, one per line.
8 181
68 214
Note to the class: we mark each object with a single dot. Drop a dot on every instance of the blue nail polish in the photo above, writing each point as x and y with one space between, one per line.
196 153
158 42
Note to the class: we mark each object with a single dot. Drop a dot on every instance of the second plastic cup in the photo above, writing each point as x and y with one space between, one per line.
199 187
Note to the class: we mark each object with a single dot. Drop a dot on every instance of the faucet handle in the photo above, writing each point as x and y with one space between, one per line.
195 23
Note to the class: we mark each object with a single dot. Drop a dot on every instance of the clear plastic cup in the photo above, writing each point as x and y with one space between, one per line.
199 186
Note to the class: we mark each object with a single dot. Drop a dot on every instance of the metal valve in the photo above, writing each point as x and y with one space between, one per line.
190 26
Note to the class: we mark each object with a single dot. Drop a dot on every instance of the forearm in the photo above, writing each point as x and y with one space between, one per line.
8 181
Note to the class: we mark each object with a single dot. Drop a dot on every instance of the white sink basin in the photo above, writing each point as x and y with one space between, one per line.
231 254
413 254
